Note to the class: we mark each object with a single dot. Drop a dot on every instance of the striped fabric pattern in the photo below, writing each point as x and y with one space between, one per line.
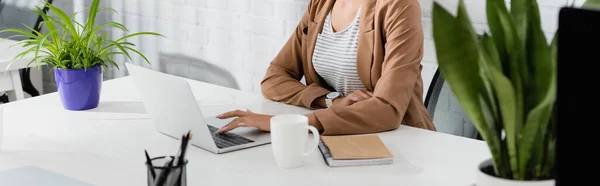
334 57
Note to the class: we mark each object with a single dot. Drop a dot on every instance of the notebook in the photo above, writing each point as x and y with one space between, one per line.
341 151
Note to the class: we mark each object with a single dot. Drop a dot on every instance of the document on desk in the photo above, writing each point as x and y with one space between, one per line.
35 176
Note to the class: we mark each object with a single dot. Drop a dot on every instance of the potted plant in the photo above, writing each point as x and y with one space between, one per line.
506 84
77 52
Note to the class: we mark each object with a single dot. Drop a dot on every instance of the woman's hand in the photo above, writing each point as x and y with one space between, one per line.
353 97
245 119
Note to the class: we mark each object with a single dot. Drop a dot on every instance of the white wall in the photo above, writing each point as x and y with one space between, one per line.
242 36
237 36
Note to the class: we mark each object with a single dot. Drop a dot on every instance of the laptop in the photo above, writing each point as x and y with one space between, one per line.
172 107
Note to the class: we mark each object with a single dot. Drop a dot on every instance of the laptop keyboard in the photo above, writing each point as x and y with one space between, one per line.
227 139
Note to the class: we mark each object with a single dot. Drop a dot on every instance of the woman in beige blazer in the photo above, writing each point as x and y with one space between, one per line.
389 50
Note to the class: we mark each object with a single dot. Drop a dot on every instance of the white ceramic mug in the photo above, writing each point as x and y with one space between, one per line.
289 138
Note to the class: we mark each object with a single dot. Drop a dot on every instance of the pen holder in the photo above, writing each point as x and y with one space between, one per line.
174 175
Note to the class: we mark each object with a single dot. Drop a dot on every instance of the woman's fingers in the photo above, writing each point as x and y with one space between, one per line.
360 95
354 97
237 122
367 92
235 113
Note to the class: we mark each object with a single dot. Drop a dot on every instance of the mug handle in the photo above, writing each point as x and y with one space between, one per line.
315 142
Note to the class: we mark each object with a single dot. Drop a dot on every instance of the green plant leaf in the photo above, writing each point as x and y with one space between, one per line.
113 63
34 60
591 4
25 43
41 43
538 58
554 51
31 29
138 34
49 25
497 31
66 20
13 36
519 11
457 50
489 47
549 151
536 124
487 50
121 48
111 54
507 102
19 56
108 9
92 15
139 53
538 96
19 31
512 55
111 24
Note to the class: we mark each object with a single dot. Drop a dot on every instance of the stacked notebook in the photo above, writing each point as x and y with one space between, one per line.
340 151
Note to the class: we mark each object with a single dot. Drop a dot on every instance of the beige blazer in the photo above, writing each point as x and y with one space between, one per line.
390 49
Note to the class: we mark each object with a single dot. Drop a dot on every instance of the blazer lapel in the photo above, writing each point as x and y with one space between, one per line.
364 56
315 27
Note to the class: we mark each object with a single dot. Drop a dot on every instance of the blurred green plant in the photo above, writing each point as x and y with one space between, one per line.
69 44
592 4
505 82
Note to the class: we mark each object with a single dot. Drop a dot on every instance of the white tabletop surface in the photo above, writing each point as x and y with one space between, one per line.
8 54
105 146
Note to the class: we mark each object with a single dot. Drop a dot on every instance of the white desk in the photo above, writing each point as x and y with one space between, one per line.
105 146
9 78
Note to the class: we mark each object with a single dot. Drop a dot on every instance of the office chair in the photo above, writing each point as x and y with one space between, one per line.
14 17
446 112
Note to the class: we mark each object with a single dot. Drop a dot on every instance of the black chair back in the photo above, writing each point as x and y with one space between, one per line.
445 111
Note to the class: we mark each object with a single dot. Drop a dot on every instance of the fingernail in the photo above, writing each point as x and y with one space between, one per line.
241 124
220 115
354 99
222 129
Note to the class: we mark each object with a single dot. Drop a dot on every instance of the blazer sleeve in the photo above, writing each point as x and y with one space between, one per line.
282 80
400 70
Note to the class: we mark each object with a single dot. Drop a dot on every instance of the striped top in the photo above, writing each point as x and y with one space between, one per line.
334 57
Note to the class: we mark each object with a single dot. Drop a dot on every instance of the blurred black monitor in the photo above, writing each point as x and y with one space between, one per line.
578 96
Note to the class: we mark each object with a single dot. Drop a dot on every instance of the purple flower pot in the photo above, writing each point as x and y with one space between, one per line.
79 89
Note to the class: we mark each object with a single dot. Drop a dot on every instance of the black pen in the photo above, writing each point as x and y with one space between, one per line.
160 180
184 149
150 164
178 155
173 177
